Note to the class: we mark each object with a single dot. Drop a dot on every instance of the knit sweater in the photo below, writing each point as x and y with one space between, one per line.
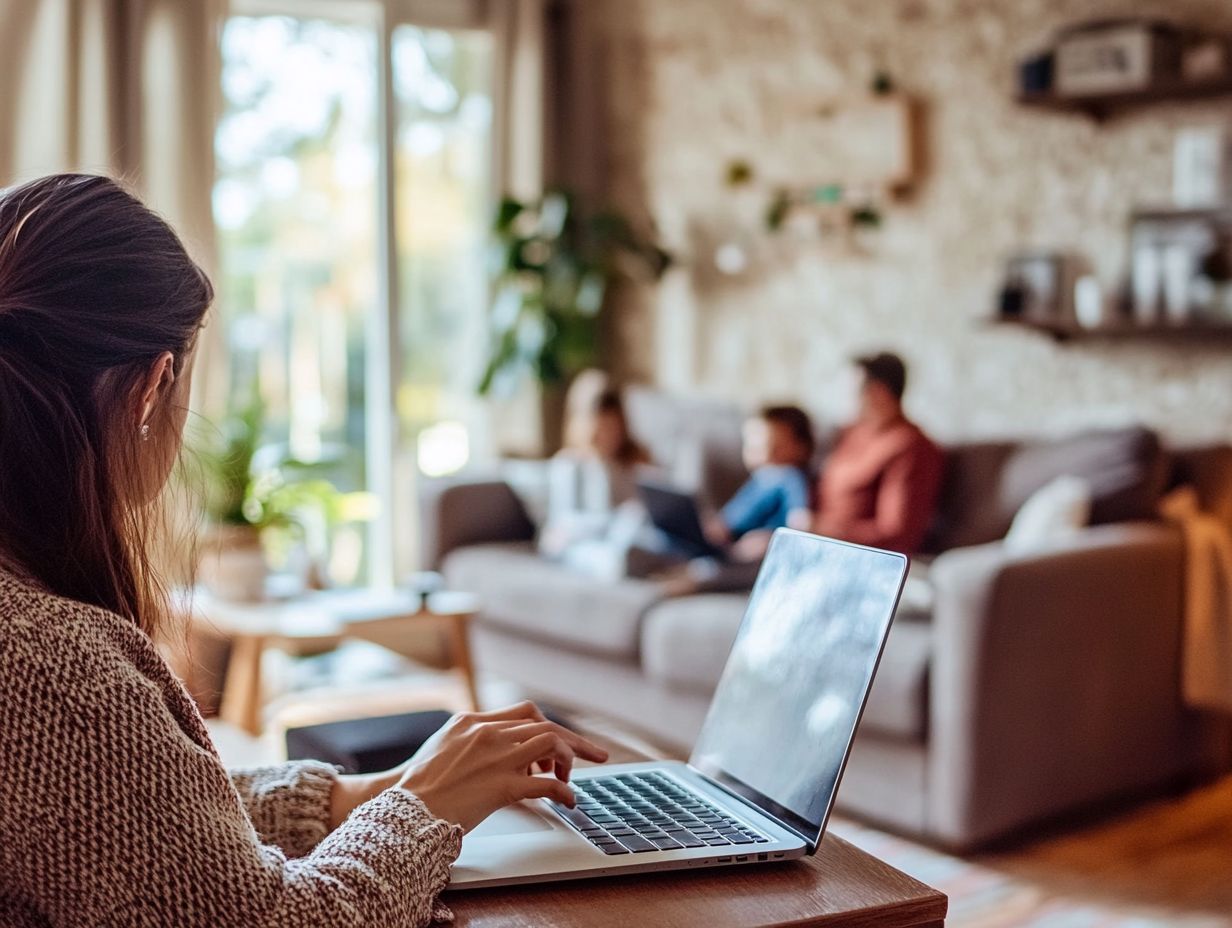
115 808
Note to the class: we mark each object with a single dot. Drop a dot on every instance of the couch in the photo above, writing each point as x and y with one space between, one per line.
1015 687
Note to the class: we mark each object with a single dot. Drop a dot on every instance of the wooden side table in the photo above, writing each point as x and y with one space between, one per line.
839 887
320 621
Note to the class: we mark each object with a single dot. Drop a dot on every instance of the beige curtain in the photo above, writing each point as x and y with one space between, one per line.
127 88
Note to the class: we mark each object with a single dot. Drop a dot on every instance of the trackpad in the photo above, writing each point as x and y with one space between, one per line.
515 820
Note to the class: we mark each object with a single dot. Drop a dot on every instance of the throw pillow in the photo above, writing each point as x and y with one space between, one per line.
1056 510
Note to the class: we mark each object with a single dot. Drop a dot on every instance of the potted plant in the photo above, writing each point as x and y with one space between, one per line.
232 564
307 512
554 267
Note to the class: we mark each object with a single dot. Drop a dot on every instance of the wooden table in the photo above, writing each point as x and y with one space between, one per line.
839 887
320 620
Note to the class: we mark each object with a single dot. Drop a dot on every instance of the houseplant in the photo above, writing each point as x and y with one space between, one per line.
246 504
232 564
554 267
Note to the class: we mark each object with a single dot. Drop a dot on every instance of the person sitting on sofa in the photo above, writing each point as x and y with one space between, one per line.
879 486
778 447
596 471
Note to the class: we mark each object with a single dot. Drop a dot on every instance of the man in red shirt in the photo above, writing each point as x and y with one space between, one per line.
879 486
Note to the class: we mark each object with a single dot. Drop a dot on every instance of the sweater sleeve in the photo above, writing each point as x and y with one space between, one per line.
288 803
114 816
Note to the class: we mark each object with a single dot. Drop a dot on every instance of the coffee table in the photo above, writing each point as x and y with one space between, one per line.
320 620
839 887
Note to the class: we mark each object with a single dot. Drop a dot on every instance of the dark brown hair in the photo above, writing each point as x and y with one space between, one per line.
797 423
94 288
886 369
610 402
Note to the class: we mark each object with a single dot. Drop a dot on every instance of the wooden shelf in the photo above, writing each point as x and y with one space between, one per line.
1211 332
1103 106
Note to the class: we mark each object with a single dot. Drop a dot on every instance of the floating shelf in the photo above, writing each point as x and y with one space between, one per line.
1218 332
1103 106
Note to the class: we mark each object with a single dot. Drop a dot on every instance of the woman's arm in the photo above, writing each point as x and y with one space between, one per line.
290 804
123 819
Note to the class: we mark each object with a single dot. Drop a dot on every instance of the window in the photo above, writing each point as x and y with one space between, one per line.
352 221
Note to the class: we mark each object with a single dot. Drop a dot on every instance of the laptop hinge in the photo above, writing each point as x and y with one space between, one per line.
728 791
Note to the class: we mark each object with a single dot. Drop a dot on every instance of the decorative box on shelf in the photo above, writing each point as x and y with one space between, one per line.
1115 56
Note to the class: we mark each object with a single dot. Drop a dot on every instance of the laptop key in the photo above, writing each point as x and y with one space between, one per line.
717 840
740 839
665 843
613 848
688 839
637 844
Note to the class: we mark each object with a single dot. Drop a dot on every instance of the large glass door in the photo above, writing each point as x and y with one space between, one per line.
353 200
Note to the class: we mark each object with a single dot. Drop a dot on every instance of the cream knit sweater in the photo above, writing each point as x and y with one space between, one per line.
116 810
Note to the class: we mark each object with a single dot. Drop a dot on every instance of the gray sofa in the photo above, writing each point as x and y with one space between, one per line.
1013 689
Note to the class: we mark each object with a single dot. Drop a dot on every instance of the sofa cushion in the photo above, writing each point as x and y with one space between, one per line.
685 643
987 484
898 704
685 640
538 598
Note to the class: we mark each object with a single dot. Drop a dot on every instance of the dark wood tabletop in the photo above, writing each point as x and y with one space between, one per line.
839 887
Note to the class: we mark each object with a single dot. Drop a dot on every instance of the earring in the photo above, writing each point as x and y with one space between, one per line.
145 432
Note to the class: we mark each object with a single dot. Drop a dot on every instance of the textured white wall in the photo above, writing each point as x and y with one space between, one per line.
694 83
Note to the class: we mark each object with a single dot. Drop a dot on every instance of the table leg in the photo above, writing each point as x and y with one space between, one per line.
241 691
459 629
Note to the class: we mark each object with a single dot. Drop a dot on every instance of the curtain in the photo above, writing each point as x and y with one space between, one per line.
127 88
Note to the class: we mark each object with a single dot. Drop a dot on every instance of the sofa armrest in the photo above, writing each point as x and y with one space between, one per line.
458 511
1055 678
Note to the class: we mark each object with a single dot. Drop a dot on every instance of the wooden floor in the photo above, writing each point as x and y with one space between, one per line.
1174 854
1168 862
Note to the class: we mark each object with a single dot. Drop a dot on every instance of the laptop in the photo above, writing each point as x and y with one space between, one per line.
676 515
761 782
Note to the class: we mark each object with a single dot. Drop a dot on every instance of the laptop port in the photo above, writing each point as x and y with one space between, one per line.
725 860
742 858
777 856
763 856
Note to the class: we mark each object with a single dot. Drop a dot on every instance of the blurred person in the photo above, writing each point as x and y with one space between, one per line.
778 446
879 486
596 472
115 807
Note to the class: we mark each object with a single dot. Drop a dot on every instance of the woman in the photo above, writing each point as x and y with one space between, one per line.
596 472
114 806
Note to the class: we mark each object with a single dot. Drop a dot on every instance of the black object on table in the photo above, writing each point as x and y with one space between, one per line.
365 745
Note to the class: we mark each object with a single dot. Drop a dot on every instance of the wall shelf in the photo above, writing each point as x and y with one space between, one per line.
1210 332
1104 106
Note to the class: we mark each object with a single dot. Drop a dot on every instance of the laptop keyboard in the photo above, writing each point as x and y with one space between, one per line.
640 812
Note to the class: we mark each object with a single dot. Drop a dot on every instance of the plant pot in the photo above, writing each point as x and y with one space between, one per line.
232 564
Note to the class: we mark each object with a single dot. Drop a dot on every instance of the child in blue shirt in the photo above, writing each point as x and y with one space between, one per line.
778 449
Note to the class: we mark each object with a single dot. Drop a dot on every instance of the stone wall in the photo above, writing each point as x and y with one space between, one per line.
691 84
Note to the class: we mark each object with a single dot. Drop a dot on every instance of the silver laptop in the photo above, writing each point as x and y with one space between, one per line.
763 776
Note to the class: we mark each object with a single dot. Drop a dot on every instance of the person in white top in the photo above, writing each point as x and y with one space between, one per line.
595 475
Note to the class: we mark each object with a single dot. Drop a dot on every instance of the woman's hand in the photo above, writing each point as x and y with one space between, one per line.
484 761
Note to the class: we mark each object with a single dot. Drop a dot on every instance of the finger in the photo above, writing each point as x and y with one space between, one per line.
547 746
587 750
521 710
545 788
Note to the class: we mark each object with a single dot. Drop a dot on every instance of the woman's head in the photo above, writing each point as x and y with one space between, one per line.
596 421
100 306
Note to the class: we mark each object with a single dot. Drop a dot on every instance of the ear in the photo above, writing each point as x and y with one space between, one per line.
157 383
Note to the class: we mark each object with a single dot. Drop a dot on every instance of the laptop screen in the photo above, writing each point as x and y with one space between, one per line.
786 708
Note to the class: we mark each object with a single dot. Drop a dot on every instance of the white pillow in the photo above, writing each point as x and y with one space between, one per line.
1053 512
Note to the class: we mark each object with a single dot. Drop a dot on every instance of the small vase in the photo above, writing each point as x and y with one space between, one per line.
232 565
